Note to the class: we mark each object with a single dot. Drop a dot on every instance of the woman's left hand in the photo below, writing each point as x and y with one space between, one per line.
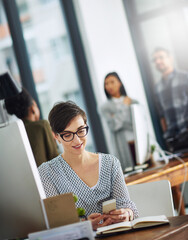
121 215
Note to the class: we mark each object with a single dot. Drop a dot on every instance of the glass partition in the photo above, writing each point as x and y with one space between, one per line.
160 33
143 6
7 57
50 54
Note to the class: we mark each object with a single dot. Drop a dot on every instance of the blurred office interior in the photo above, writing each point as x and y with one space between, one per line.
62 49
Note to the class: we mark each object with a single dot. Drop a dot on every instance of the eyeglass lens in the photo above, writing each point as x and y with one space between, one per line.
69 135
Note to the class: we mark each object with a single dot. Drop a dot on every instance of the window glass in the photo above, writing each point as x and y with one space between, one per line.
7 58
143 6
158 36
168 32
185 14
50 54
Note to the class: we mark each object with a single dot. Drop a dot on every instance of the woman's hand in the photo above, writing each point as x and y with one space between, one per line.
121 215
127 100
95 219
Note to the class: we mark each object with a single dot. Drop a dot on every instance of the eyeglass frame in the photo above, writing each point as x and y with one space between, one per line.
61 135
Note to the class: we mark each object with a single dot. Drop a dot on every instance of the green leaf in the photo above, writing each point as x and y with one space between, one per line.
75 198
153 147
81 212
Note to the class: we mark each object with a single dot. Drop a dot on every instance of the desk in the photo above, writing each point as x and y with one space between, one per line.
173 171
176 230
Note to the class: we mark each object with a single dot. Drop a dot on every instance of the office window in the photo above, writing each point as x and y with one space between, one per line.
160 24
160 36
50 54
7 57
143 6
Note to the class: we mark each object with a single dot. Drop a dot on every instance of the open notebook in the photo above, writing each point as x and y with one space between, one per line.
137 223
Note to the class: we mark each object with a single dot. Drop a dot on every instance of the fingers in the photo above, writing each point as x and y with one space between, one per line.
118 211
131 215
95 218
106 222
115 216
121 215
95 223
94 215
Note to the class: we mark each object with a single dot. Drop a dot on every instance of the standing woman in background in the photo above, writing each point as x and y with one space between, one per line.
117 113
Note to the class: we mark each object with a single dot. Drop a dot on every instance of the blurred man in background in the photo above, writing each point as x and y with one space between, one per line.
172 100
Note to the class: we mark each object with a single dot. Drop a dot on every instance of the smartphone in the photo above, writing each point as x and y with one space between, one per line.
108 206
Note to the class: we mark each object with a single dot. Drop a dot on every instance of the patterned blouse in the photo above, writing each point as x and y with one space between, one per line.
58 177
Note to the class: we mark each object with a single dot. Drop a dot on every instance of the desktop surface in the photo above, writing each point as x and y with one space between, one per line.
168 171
156 167
143 168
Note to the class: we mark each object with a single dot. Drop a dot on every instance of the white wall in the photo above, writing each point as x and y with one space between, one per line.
108 46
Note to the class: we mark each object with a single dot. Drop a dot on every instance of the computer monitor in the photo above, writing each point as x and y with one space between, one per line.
20 185
141 133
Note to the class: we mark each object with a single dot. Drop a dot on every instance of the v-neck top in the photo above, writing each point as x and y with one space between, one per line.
99 172
58 177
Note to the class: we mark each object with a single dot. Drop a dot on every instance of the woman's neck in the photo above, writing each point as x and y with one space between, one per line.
118 95
74 160
30 118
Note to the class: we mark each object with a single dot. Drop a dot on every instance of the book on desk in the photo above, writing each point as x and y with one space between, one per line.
135 224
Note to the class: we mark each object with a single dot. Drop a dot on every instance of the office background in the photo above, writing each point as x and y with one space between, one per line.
62 49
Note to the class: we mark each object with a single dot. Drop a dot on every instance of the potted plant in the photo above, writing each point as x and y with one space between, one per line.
81 211
151 159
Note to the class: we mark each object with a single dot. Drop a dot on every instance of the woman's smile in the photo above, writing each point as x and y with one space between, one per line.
78 146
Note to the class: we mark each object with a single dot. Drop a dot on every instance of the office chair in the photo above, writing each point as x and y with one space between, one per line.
153 198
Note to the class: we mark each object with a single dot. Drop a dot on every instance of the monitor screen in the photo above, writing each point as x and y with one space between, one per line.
20 185
141 133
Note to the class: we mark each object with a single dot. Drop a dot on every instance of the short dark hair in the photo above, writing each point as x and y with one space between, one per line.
161 49
19 104
122 88
62 113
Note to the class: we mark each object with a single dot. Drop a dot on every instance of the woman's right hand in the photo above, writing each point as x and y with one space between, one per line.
95 219
127 100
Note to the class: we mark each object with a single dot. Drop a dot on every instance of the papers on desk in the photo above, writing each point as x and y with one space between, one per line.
81 230
133 172
136 169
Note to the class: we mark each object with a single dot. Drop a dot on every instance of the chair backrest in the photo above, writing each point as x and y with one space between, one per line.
153 198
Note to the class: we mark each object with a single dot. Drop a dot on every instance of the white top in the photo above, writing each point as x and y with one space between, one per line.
128 133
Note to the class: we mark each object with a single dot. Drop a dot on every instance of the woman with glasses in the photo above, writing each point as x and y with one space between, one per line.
93 177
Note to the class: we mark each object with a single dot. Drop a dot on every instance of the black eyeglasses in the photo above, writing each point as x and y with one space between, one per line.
69 136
